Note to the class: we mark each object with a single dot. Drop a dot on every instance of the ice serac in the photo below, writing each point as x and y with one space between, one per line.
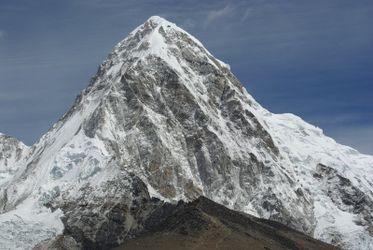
163 120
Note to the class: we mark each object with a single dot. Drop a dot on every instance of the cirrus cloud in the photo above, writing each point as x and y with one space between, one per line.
214 15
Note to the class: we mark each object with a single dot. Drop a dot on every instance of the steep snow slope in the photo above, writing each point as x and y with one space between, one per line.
163 116
337 177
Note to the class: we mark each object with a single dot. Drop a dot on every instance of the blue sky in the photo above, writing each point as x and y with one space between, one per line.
311 58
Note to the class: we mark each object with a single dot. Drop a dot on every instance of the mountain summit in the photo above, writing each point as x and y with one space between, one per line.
163 121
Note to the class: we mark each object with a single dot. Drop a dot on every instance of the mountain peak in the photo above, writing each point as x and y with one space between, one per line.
153 24
155 35
161 39
159 20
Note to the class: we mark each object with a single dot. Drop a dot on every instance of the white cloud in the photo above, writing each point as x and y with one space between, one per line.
214 15
188 24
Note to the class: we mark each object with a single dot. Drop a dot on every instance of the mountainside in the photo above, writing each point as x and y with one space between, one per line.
163 118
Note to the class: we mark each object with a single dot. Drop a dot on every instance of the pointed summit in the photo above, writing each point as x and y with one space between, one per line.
152 23
157 36
159 20
159 39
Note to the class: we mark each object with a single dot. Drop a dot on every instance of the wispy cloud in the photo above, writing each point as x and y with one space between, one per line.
246 14
188 24
215 15
2 34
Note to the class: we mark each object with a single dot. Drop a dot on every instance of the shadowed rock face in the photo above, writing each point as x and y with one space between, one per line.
164 121
201 224
98 223
345 195
60 242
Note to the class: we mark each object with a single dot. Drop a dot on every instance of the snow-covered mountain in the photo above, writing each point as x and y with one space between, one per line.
12 155
163 118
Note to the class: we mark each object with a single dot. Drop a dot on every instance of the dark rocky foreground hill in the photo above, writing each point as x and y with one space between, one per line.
204 224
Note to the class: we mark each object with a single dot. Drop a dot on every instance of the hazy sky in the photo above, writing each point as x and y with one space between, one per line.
311 58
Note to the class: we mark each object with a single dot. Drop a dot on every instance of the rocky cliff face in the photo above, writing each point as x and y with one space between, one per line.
164 119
